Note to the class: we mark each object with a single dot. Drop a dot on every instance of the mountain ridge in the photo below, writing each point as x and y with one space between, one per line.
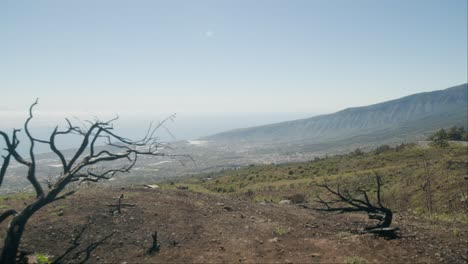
446 107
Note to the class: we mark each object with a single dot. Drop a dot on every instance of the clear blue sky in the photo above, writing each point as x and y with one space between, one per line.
237 56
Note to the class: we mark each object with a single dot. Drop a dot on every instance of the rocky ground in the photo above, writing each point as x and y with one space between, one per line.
195 227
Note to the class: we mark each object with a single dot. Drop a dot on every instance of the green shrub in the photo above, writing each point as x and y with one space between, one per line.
280 231
250 193
298 198
358 152
418 211
441 143
381 149
43 259
355 260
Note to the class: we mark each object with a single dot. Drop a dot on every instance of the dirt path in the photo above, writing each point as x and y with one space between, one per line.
196 227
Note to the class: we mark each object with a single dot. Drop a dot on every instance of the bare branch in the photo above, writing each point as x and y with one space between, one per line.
32 165
3 169
65 195
93 142
365 197
55 150
11 146
6 214
6 159
379 185
343 198
83 146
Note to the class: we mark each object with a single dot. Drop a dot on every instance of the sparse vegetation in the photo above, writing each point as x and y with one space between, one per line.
297 198
280 231
43 259
441 137
355 260
404 168
382 149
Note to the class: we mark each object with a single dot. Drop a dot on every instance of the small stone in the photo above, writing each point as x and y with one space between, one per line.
273 240
311 226
31 259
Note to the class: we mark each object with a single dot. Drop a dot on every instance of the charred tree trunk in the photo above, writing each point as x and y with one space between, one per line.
119 206
12 241
155 245
387 221
384 215
13 237
16 228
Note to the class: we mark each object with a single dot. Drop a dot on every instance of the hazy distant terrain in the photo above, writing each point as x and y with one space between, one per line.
410 115
407 119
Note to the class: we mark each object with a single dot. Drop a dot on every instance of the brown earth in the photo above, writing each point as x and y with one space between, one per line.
195 227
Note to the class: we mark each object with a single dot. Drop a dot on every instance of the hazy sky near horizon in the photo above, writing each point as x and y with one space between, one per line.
226 56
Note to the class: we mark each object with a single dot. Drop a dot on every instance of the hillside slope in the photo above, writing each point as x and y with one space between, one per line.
414 113
405 169
202 228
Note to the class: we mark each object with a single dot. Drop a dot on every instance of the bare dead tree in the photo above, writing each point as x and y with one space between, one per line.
427 185
81 167
354 204
119 205
155 244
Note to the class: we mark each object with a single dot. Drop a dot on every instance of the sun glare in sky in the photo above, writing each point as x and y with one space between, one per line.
242 56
